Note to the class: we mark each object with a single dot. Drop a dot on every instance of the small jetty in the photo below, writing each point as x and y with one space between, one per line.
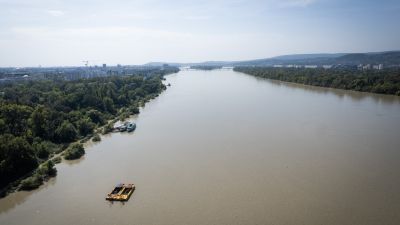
121 192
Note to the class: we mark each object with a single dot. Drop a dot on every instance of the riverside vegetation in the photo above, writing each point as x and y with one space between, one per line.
205 67
386 81
39 119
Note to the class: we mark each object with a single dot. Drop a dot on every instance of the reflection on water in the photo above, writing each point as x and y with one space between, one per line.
222 147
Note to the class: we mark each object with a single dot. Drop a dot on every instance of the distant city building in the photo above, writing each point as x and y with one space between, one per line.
311 66
295 66
104 65
367 67
326 66
377 67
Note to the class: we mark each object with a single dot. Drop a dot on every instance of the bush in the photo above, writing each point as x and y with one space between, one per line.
31 183
123 116
75 151
47 170
134 109
56 160
108 128
96 138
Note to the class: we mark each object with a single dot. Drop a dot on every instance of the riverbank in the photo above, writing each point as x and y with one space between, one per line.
46 169
386 81
39 143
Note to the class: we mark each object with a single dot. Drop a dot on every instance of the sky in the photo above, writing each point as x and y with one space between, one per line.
67 32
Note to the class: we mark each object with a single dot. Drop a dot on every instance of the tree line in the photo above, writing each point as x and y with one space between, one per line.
386 81
40 118
205 67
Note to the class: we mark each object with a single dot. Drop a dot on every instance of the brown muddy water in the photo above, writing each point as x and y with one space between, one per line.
222 147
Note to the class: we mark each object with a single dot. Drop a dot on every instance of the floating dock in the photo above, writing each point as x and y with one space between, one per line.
121 192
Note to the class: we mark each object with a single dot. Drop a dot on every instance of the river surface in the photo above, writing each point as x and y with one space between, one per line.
221 147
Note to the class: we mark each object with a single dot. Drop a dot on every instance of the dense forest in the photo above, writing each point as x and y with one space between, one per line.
41 118
385 81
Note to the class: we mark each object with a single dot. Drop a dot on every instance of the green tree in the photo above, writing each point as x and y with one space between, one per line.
75 151
42 151
85 126
109 105
96 116
66 132
15 117
17 157
39 121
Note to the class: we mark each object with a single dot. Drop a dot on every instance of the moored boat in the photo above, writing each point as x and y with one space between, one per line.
123 127
131 127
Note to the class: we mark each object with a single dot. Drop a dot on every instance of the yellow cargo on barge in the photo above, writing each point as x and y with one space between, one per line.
121 192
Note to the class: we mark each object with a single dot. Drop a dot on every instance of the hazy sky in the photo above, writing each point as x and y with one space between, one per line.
65 32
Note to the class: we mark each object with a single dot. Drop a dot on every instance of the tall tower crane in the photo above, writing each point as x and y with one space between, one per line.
86 62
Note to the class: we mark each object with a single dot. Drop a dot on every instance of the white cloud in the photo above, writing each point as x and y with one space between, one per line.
199 17
55 12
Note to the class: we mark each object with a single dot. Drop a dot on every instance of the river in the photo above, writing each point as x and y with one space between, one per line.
221 147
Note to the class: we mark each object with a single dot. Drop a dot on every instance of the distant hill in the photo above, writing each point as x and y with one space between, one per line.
386 58
389 58
308 56
158 64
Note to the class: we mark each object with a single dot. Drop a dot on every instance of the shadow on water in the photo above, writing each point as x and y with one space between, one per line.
14 199
74 162
339 93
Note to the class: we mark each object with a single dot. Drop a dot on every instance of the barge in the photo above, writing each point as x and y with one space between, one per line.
121 192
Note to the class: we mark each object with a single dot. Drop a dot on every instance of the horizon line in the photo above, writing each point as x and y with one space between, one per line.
206 61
